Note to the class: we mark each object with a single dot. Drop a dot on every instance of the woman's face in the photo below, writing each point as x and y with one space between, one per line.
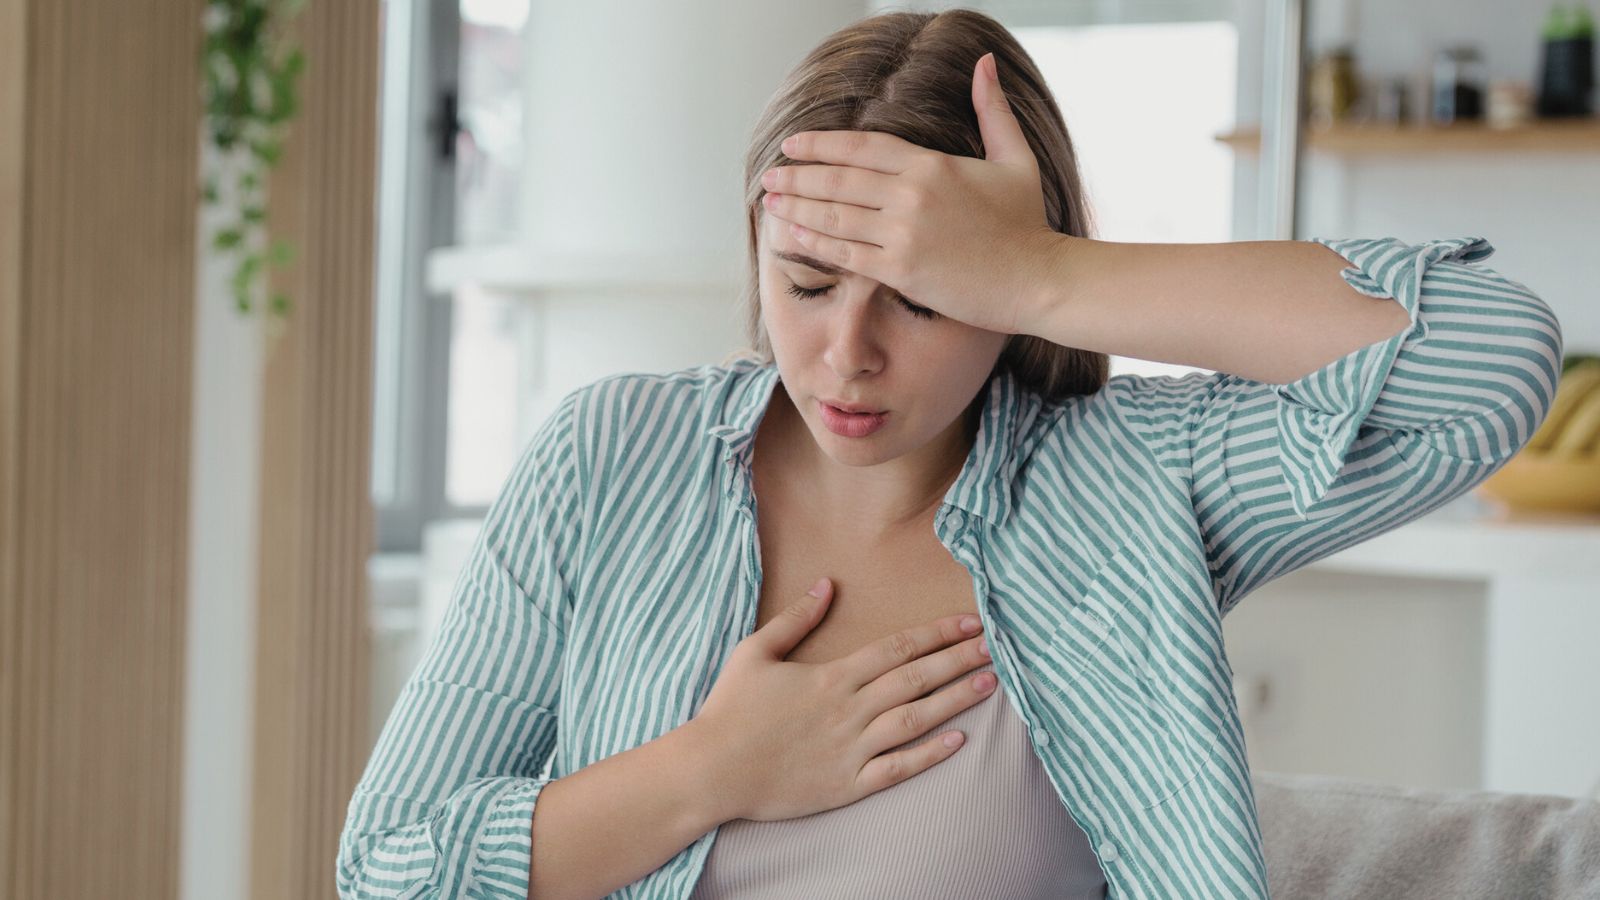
858 343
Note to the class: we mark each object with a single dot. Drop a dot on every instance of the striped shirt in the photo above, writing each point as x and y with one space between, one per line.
1107 535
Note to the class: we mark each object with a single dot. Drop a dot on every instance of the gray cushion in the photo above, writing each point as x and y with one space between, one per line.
1332 838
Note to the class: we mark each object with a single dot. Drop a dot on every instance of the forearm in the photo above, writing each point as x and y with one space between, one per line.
611 823
1270 311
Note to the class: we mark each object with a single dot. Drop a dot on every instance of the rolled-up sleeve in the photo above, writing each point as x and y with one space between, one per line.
445 805
1281 475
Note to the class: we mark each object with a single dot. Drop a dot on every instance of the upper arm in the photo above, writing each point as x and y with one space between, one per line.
1281 475
450 787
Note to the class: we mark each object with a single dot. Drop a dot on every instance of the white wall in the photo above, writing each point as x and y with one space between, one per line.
220 661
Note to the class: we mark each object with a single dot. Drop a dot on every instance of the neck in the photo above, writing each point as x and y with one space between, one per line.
868 502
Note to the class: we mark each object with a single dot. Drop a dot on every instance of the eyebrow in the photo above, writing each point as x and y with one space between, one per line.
807 261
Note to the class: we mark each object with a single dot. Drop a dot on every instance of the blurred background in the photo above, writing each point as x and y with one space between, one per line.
285 288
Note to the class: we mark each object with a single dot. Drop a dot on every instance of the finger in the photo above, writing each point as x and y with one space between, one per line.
861 258
786 629
907 721
1003 139
840 184
873 150
840 220
890 769
923 675
886 653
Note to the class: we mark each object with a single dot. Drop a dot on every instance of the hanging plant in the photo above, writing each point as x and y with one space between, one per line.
250 70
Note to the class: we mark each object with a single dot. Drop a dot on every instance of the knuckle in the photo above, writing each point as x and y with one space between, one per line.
797 610
830 219
902 646
894 767
834 181
914 678
910 719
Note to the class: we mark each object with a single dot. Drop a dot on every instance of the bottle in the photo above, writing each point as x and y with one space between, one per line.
1333 89
1566 67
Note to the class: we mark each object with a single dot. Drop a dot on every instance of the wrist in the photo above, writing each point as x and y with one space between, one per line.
1049 283
712 800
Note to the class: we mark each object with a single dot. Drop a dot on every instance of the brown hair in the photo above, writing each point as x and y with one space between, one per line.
909 74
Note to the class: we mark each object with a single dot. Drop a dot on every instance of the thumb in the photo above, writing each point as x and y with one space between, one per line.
790 627
1003 140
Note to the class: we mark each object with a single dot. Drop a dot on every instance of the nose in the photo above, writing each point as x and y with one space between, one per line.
853 346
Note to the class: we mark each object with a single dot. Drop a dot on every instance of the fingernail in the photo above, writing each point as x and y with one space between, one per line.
994 73
969 624
983 646
818 588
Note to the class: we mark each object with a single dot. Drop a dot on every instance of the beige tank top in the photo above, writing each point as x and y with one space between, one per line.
985 822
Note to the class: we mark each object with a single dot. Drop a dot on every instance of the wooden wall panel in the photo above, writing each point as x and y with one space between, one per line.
317 529
99 111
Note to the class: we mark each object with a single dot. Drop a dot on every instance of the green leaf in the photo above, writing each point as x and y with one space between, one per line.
280 304
281 253
227 239
248 267
268 151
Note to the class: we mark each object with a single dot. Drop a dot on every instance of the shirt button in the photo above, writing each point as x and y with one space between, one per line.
1040 736
1108 852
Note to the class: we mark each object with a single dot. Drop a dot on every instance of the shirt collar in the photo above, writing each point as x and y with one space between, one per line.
983 488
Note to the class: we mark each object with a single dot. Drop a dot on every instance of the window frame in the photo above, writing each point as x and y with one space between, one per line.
413 326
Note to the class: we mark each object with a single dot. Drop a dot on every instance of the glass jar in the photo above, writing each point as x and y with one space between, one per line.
1458 84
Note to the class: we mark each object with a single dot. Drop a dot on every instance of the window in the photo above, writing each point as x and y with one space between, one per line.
445 430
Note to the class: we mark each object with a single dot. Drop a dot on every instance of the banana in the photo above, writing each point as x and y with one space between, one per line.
1575 386
1569 360
1581 430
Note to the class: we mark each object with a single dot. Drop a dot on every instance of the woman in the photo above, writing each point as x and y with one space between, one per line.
920 251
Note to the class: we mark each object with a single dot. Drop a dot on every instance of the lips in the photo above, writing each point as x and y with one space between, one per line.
851 407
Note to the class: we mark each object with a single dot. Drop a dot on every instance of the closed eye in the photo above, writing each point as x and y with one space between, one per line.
921 312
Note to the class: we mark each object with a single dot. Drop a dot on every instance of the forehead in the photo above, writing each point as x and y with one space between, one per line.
776 239
775 234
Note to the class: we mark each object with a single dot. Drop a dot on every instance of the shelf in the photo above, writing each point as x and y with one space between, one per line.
1577 135
1477 539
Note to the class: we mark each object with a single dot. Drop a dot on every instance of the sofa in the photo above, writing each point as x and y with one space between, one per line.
1335 838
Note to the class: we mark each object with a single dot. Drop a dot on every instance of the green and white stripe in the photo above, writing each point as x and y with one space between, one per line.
1106 536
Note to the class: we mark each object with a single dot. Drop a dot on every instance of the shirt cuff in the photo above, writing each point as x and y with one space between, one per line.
1320 414
491 819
